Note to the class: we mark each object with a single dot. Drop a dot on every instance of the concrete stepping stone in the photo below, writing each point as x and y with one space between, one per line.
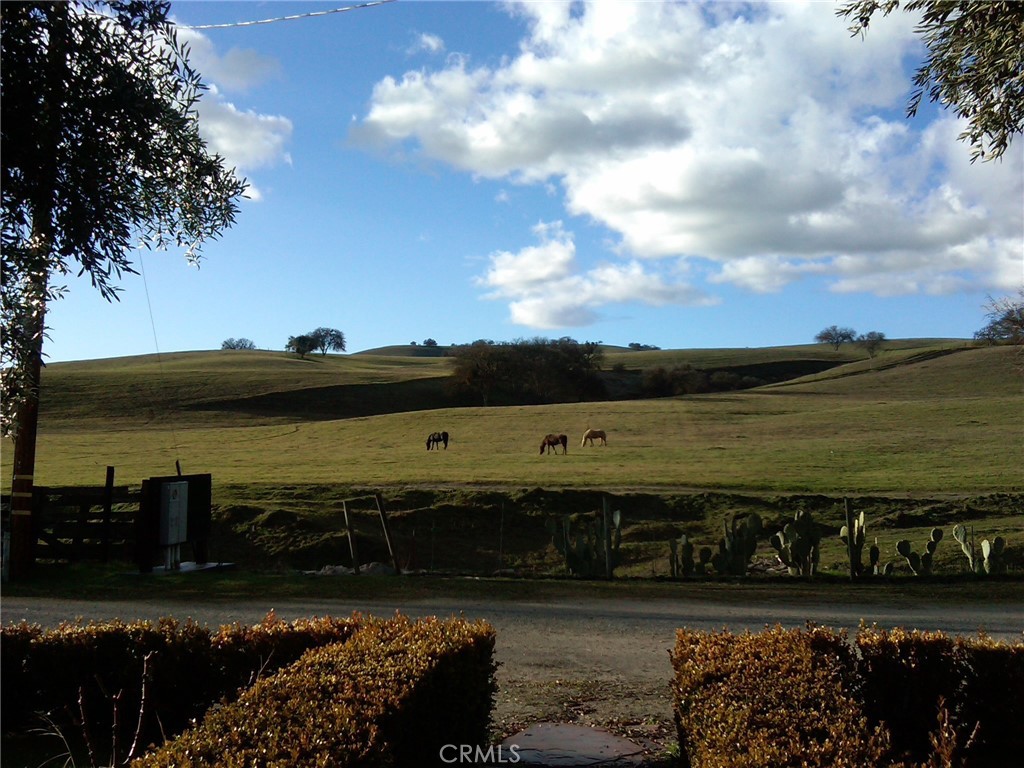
569 746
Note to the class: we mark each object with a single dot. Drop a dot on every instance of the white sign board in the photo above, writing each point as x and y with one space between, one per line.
173 513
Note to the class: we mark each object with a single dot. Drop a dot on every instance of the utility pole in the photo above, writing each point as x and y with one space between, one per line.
37 272
22 536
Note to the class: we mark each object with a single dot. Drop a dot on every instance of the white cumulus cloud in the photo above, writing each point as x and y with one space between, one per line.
759 140
247 139
547 287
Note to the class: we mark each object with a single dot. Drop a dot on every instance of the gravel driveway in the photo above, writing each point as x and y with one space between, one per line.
591 662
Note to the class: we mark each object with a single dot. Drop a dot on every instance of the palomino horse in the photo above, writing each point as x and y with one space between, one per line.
436 439
592 435
553 441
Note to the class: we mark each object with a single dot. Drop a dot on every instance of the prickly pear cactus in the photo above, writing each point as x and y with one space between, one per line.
581 543
992 554
874 555
703 561
797 544
920 563
853 534
738 545
681 558
965 538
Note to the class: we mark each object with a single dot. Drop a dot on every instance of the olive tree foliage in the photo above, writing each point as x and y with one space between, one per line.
101 154
974 63
527 371
835 336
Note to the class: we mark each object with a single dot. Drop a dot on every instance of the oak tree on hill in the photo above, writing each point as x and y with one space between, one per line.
872 342
528 371
301 345
835 336
328 340
242 343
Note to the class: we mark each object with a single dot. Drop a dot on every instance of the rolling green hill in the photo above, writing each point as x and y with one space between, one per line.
926 433
934 416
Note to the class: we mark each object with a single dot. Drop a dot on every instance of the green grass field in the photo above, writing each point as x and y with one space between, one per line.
932 419
948 424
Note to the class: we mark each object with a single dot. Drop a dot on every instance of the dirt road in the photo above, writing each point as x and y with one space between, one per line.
591 662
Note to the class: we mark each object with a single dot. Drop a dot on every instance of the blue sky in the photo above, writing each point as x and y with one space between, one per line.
684 175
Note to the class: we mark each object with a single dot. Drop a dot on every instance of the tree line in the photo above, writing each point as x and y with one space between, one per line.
322 340
534 370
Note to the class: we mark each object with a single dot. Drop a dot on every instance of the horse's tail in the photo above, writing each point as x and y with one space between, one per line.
564 440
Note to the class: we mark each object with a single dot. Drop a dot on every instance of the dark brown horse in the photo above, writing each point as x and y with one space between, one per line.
553 441
436 439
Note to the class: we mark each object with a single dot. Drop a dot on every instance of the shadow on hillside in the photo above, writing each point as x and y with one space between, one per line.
348 401
345 401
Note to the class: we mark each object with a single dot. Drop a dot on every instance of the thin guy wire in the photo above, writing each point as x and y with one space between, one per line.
284 18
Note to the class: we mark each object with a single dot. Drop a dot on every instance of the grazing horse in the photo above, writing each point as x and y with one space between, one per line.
436 439
592 435
553 441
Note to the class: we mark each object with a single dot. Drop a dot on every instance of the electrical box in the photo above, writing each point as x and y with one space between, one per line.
173 513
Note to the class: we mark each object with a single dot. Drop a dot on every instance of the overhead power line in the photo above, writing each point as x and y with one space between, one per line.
285 18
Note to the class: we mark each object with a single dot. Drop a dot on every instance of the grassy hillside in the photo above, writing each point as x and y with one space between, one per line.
925 434
926 419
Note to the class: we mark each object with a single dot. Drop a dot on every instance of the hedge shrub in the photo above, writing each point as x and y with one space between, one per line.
978 680
76 669
778 698
811 698
393 695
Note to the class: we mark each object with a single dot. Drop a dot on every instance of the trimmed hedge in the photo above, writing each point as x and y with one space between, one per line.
811 698
393 695
979 681
74 668
779 698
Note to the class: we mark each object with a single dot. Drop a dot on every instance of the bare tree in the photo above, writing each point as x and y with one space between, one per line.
835 336
242 343
872 341
1005 320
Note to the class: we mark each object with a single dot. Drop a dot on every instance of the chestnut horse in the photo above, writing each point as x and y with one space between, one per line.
592 435
553 441
437 438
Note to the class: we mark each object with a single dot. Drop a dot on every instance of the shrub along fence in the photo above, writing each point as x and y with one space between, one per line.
811 698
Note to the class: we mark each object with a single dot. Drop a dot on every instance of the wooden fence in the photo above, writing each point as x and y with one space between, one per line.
76 523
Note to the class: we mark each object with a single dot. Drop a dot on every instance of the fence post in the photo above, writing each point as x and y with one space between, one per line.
108 502
501 537
387 534
849 538
606 514
351 539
